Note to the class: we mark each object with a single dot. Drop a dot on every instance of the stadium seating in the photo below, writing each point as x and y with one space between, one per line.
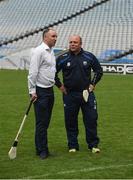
107 26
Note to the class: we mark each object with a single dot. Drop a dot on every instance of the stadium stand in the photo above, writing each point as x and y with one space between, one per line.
105 27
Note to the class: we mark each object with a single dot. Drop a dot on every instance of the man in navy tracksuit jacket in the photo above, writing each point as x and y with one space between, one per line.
76 66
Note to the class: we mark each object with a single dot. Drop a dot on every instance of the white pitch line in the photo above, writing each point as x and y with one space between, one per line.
79 170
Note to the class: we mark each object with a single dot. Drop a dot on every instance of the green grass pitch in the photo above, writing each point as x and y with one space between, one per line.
115 127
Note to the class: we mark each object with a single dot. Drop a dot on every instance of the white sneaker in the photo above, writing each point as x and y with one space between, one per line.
72 150
95 150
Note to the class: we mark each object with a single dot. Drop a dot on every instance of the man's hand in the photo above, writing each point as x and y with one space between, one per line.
63 89
91 88
34 97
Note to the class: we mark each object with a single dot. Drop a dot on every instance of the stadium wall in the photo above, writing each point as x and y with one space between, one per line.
22 61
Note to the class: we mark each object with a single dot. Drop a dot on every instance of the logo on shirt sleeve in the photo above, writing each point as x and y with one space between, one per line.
84 63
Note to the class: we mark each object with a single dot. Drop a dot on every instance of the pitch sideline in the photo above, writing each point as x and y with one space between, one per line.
79 170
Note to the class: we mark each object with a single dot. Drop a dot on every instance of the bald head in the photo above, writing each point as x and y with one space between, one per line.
75 43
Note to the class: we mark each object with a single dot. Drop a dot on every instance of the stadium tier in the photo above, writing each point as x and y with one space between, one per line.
105 28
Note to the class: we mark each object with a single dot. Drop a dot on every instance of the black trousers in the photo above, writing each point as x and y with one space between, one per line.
43 111
73 102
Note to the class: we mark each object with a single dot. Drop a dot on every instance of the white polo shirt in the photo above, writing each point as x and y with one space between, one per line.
42 68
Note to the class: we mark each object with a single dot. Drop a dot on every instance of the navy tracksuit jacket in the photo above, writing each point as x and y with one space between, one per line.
76 71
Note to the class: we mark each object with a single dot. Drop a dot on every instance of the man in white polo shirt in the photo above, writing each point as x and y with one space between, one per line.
40 82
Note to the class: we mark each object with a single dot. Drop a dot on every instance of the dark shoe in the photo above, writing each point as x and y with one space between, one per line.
43 155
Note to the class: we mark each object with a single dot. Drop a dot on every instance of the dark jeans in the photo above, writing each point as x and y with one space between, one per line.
73 101
43 111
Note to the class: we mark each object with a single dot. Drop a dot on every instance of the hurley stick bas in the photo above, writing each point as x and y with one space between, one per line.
13 151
